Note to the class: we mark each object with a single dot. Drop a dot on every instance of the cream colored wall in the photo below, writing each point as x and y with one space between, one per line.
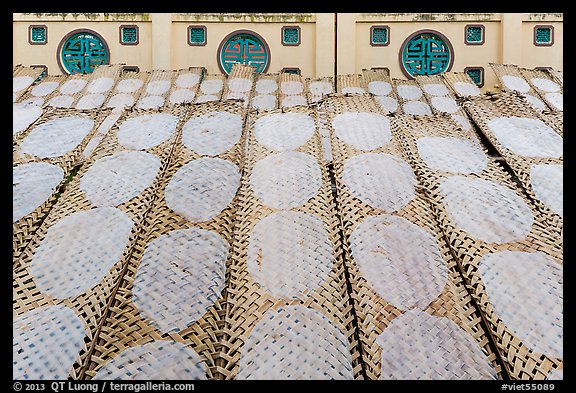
542 56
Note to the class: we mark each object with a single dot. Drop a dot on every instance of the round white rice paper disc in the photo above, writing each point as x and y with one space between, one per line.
91 101
24 115
462 121
57 137
206 98
526 291
362 130
555 375
548 185
146 131
409 92
266 86
181 96
72 86
319 88
203 188
454 155
188 80
180 277
527 137
516 83
466 89
100 85
535 102
212 133
211 86
556 100
121 100
286 180
291 87
318 349
380 180
155 361
486 210
32 185
419 346
289 254
79 250
284 131
21 82
115 179
61 101
158 87
151 102
239 85
379 88
129 85
264 102
290 101
389 104
436 89
400 261
546 85
445 104
46 342
416 108
44 88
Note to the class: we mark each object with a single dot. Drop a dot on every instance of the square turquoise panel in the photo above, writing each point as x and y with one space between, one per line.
38 34
291 36
543 35
129 35
474 35
379 36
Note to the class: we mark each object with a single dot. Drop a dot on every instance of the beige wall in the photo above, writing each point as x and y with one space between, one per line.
163 40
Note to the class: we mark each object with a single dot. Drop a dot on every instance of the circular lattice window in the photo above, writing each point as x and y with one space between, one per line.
245 48
82 50
426 53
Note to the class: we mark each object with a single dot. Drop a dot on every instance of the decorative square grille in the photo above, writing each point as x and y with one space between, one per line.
129 35
290 36
197 35
543 35
476 75
379 36
474 35
38 34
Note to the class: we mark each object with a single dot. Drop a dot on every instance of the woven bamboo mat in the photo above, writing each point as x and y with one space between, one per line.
404 306
411 98
175 293
351 84
266 92
318 88
154 95
33 197
36 94
554 120
211 88
292 90
23 117
557 75
68 92
127 91
185 86
240 83
23 78
461 84
76 256
443 101
534 145
379 84
484 227
322 117
101 83
550 91
288 312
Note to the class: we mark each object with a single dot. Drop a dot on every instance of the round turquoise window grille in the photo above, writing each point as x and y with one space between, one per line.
426 53
82 51
245 48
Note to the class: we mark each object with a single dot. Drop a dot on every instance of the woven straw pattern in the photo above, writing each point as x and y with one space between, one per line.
110 247
318 88
139 302
486 111
261 237
211 88
379 84
23 78
351 84
101 83
129 87
411 98
544 84
461 84
154 95
266 92
23 116
519 361
68 92
240 84
185 86
434 287
37 93
292 90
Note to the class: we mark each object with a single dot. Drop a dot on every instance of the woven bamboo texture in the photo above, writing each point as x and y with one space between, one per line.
130 85
153 303
379 84
554 120
292 90
69 92
23 78
351 84
435 291
486 110
240 83
266 92
472 251
443 101
23 229
155 94
461 84
87 237
326 143
185 86
274 299
411 98
100 84
545 85
557 75
37 93
318 88
211 88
